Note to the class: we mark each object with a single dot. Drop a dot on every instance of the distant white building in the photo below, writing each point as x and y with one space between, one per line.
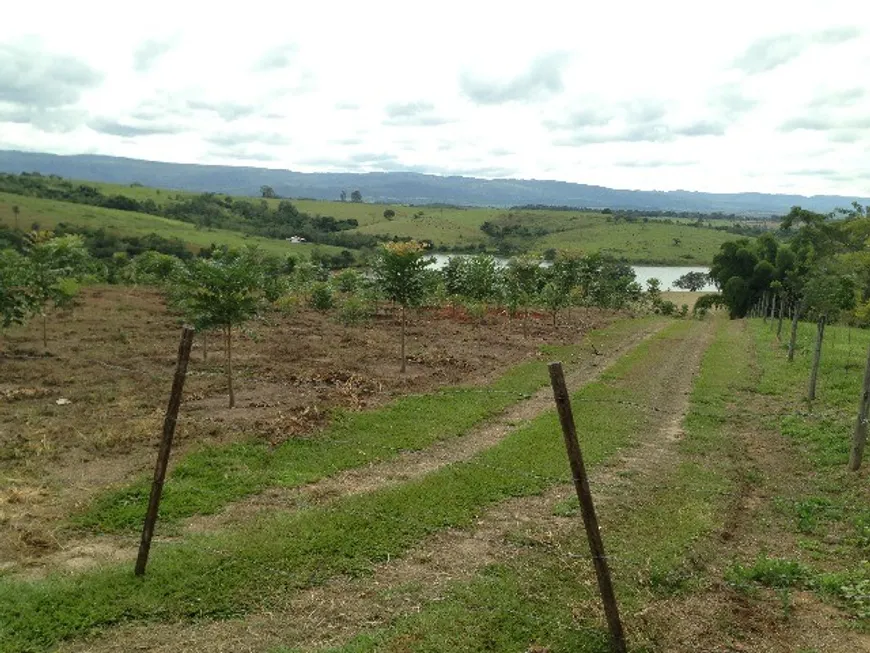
296 239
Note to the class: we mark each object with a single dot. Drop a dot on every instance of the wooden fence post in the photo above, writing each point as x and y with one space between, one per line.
796 311
165 446
587 507
817 357
859 439
779 324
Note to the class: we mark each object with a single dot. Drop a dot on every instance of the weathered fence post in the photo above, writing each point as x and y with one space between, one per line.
779 324
795 316
165 446
859 439
817 356
587 507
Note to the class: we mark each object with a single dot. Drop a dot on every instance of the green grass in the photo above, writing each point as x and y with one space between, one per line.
48 213
827 429
651 243
576 231
579 232
204 481
535 598
831 516
770 572
227 574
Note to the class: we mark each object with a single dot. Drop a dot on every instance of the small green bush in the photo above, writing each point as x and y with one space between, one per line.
354 311
320 296
287 304
770 572
348 281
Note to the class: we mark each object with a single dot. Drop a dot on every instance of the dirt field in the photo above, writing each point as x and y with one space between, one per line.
86 414
680 297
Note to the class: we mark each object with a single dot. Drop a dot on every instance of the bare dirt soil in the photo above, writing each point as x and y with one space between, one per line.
85 414
330 614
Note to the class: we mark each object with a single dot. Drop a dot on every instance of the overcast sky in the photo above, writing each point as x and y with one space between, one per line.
765 95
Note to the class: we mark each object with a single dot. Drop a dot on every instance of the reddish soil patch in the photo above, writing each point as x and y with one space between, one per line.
111 363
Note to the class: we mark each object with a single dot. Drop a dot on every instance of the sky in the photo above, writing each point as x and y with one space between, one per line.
766 96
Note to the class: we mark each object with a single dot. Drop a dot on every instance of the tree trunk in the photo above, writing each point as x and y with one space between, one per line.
817 357
44 332
204 346
764 301
773 308
554 319
229 339
859 439
526 323
403 340
779 325
795 316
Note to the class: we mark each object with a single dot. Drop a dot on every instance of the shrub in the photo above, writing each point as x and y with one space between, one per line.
320 296
287 304
354 311
348 281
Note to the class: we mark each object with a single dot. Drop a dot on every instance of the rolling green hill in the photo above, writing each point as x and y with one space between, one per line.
49 213
651 241
638 240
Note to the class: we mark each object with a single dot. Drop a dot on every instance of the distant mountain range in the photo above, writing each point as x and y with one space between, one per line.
402 187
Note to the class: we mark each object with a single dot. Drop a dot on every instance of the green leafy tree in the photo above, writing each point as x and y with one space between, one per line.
744 270
553 297
348 281
400 275
267 192
222 293
17 302
692 281
454 273
15 212
481 279
610 283
560 280
321 297
520 281
654 292
343 196
389 214
153 268
53 265
356 196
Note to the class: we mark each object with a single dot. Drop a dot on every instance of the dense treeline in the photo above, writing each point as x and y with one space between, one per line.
638 213
734 223
821 269
206 210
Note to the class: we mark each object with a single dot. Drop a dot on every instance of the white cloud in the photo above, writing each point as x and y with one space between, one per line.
675 94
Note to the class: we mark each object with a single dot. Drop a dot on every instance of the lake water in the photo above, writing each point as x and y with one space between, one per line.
667 274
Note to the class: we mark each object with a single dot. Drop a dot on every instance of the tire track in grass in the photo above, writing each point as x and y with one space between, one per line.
414 464
761 531
659 376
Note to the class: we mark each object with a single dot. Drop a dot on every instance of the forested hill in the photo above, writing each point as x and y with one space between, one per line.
402 187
